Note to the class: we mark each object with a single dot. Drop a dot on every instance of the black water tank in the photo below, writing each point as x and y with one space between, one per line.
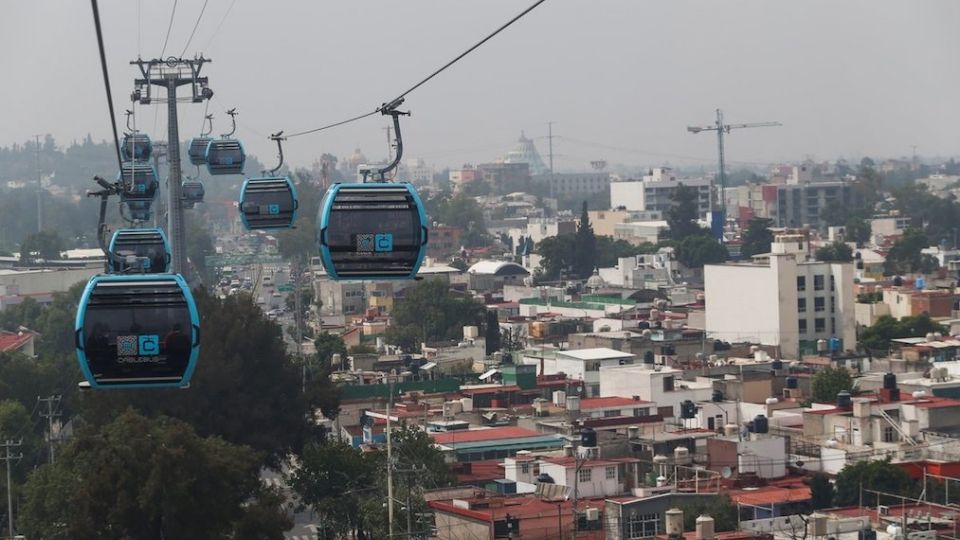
844 401
792 382
898 281
717 396
777 364
588 438
648 357
761 424
889 381
545 478
867 534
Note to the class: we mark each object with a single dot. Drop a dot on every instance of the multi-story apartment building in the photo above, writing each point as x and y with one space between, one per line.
782 299
655 192
799 205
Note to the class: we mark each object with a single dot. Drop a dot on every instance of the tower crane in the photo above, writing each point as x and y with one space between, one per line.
718 219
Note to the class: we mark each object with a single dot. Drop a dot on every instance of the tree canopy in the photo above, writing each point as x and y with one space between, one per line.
460 211
560 255
872 475
821 491
246 388
830 381
429 312
757 237
683 213
299 242
700 249
876 338
834 252
142 478
905 256
585 246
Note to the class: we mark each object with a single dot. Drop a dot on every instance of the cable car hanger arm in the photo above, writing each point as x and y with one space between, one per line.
391 109
278 136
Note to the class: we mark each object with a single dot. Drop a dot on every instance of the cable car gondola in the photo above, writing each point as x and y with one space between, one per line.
191 192
197 150
136 147
139 210
372 231
137 331
138 250
138 180
268 203
226 155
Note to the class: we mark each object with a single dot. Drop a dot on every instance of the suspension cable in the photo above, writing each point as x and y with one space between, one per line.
169 27
106 80
194 31
220 25
391 104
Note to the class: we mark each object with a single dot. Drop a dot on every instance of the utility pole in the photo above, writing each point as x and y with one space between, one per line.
171 74
550 150
39 187
390 462
8 457
718 219
53 411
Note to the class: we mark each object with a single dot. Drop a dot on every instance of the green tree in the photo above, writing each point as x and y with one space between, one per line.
492 333
720 508
585 246
698 250
45 245
246 388
299 242
858 230
199 245
429 312
834 252
872 475
757 238
683 213
830 381
905 256
463 212
876 338
821 491
327 345
557 254
148 478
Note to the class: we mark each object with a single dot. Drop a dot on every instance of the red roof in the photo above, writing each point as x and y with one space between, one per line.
479 471
10 341
483 434
612 401
768 495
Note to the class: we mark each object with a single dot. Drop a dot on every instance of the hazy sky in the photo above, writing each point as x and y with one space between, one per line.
621 78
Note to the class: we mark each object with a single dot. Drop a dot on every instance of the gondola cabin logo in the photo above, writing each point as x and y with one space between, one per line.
141 348
379 242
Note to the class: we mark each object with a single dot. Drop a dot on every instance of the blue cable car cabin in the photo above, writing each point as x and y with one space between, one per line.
197 150
191 193
138 251
139 181
268 203
137 331
372 231
139 210
136 147
225 156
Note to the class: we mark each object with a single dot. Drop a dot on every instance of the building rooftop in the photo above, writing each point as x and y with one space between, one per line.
599 353
12 341
612 401
483 434
497 268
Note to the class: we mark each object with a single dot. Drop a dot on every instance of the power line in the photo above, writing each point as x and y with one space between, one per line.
194 31
399 98
106 80
169 27
220 25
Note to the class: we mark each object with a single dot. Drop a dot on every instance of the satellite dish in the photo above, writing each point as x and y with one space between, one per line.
726 472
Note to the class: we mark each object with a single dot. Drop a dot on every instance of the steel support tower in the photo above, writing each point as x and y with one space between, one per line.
171 74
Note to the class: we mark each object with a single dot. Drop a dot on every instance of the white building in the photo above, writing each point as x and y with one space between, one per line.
648 271
583 365
662 385
655 192
781 299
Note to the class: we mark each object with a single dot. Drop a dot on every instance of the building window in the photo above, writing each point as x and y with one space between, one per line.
524 468
668 384
803 326
801 283
639 412
818 304
888 435
801 305
611 473
833 282
641 526
611 413
818 282
833 304
665 412
819 325
833 325
584 475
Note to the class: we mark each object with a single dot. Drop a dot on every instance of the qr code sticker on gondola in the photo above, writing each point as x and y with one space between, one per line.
126 345
365 242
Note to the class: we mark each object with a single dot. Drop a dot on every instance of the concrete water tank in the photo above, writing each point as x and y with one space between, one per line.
674 519
705 528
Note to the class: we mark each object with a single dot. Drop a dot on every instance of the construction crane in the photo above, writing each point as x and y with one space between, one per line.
718 219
